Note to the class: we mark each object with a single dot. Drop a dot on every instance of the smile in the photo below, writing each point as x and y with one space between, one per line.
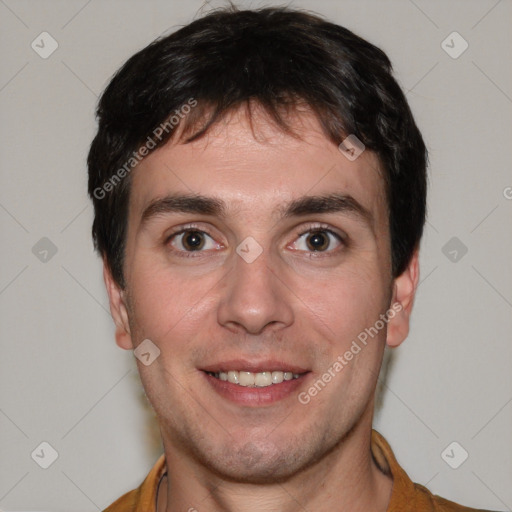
251 379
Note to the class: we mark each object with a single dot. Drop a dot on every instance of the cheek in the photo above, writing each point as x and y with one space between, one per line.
343 303
167 304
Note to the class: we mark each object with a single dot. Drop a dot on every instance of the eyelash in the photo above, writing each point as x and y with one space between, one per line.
322 228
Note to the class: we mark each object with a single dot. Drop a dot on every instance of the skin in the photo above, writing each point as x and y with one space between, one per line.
291 303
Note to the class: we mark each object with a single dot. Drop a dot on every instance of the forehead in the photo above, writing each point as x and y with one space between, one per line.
255 167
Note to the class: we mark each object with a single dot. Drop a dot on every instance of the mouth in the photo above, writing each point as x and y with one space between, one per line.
251 379
252 384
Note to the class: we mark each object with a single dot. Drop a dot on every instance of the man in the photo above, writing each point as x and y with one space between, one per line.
259 186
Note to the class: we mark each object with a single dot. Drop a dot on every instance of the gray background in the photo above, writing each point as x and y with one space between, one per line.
64 381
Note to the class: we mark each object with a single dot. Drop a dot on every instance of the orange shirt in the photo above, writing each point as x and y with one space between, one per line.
405 496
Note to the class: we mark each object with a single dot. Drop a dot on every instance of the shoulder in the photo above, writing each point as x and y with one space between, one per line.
426 501
126 503
142 499
406 495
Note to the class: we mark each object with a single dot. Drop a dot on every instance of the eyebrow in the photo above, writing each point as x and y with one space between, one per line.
213 206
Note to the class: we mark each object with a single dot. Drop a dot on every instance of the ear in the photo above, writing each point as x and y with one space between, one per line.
118 309
404 291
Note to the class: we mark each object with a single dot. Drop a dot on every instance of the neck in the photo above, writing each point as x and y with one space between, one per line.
347 478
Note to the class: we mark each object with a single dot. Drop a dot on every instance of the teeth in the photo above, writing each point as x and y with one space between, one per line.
246 379
263 379
232 377
250 379
277 377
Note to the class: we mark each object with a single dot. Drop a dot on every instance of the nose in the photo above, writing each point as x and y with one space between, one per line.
255 296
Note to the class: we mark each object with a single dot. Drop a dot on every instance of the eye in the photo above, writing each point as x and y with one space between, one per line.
191 240
318 240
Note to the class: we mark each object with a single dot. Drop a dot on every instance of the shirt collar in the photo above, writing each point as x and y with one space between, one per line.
145 496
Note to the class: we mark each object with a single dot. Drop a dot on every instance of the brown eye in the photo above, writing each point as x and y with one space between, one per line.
318 240
191 240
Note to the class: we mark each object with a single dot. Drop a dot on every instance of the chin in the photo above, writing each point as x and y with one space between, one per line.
263 471
256 462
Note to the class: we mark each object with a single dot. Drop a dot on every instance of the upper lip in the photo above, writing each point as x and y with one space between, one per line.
254 366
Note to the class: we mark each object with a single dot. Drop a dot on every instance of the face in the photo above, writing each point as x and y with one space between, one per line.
254 277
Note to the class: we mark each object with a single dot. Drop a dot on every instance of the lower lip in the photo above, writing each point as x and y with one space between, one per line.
255 396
